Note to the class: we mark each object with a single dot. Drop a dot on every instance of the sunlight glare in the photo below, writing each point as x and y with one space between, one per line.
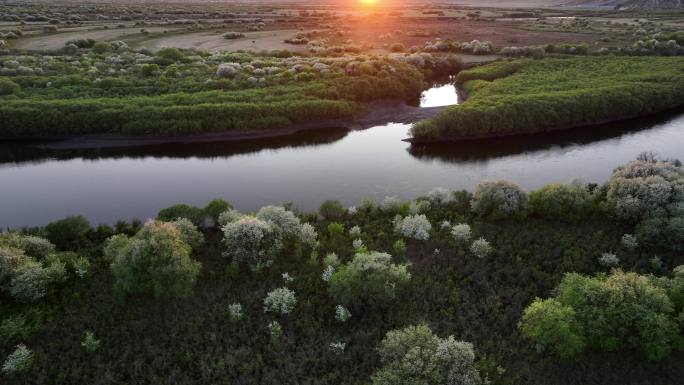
368 3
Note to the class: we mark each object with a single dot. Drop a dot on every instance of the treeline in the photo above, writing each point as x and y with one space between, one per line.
528 96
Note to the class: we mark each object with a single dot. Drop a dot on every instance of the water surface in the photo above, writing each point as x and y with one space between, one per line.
38 186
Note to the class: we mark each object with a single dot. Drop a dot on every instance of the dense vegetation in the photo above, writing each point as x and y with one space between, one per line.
441 289
108 88
527 96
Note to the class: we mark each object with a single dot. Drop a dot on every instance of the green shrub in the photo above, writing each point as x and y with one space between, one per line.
100 47
332 210
564 202
8 87
69 233
155 260
613 312
368 278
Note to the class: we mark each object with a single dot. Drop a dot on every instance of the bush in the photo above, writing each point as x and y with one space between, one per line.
332 210
415 227
499 200
609 312
281 301
565 202
252 241
367 278
8 87
69 233
550 324
24 278
284 223
461 232
19 361
101 47
90 343
414 355
148 70
155 260
481 248
206 217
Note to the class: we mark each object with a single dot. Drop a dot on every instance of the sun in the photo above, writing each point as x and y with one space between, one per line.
369 3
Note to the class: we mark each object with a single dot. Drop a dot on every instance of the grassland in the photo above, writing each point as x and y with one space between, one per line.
528 96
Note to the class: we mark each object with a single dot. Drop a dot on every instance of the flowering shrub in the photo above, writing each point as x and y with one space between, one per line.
229 216
308 235
252 240
645 188
327 273
414 226
415 355
155 260
284 222
281 301
342 314
189 233
440 195
390 204
26 279
629 242
461 232
275 329
368 277
90 343
19 361
227 70
355 232
235 311
33 246
287 278
357 244
337 347
481 248
608 260
499 199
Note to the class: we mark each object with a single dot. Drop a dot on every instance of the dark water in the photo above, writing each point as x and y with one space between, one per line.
38 186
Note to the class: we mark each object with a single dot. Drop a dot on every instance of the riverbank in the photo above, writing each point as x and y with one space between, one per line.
378 113
532 96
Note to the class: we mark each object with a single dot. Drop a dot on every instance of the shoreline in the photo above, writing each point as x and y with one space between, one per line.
483 137
379 113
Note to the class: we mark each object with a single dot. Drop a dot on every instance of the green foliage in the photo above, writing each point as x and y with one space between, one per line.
332 210
149 70
68 233
100 47
206 217
550 324
617 311
369 278
155 260
90 343
565 202
336 229
528 96
8 87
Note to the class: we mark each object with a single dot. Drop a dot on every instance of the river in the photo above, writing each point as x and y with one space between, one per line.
38 186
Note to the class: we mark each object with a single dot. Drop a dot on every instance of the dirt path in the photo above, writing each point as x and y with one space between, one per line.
57 40
212 41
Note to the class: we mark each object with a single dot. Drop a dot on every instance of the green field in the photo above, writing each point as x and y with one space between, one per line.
528 96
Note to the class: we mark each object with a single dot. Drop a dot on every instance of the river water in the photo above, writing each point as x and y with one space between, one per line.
105 185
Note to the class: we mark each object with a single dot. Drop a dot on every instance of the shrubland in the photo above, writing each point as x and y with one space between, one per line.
554 286
95 87
526 96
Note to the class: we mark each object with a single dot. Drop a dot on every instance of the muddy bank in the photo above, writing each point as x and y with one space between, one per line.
379 113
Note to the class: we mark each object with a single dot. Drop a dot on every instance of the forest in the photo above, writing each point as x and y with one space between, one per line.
572 283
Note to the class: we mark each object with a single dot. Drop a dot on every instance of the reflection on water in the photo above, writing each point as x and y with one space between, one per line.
444 95
37 186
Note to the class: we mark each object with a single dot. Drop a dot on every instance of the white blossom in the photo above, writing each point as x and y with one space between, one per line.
461 232
342 314
235 311
281 301
608 260
327 273
415 227
481 248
